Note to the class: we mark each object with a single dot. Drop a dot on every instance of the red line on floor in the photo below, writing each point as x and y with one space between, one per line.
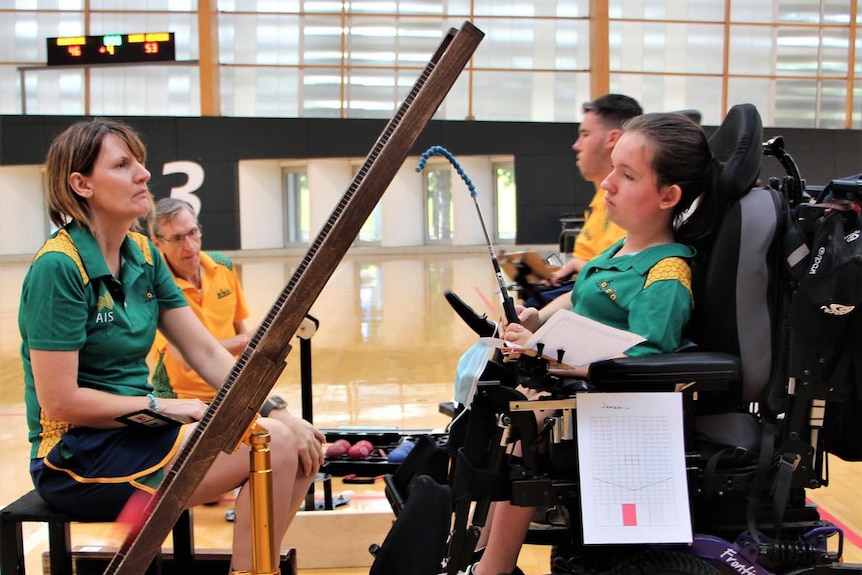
494 311
849 534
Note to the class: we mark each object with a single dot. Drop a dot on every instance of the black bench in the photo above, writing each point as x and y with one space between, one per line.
63 560
30 508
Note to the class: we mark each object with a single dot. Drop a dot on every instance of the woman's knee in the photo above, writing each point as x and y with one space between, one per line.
281 445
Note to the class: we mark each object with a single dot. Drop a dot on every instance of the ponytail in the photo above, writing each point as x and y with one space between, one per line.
695 228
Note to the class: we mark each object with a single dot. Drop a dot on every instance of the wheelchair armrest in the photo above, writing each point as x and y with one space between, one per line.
712 371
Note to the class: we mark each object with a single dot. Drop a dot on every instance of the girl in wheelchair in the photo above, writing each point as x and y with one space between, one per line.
662 165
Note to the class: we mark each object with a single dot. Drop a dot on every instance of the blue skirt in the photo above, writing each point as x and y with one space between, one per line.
99 469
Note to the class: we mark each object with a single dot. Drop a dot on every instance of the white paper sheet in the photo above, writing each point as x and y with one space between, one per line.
582 340
632 468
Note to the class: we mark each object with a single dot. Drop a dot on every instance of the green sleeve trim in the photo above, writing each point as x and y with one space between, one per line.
221 259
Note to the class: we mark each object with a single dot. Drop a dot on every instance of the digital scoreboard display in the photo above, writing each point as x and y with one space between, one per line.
111 49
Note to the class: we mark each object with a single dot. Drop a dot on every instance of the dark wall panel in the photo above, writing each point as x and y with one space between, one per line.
820 155
548 187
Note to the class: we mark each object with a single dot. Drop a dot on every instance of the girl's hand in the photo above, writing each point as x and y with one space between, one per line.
519 333
528 317
504 322
516 333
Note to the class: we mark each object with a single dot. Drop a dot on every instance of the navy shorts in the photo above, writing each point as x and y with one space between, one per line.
99 469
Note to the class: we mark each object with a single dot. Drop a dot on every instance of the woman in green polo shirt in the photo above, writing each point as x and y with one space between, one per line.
90 305
642 284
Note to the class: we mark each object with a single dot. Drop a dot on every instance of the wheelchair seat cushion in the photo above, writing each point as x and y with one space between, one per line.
737 430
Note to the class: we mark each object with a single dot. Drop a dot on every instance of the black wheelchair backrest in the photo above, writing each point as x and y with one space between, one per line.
734 280
735 297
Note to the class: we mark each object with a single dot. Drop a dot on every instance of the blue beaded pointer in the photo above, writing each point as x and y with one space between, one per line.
508 303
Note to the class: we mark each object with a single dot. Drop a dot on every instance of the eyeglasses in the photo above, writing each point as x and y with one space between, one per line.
193 234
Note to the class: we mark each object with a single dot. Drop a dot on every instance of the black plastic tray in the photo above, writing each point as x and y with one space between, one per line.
376 463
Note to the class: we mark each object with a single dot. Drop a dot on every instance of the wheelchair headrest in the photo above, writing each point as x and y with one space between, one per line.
738 143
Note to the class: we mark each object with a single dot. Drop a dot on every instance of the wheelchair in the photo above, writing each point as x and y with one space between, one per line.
766 367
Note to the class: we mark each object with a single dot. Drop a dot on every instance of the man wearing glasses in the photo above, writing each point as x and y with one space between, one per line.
211 286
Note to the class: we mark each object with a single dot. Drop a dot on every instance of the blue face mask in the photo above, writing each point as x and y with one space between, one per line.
470 367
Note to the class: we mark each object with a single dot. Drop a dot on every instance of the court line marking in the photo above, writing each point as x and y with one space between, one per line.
849 534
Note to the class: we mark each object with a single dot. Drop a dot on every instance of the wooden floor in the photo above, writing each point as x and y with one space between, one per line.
384 355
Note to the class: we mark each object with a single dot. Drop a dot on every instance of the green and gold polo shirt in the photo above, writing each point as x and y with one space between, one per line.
647 293
71 302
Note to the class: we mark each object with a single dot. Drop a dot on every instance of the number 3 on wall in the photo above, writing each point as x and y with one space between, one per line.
195 178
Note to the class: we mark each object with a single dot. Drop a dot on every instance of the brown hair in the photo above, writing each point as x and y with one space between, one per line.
76 150
613 109
681 156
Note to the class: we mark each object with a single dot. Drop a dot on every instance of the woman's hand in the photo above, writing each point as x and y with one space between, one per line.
308 440
186 410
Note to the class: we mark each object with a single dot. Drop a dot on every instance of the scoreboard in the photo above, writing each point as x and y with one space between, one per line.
111 49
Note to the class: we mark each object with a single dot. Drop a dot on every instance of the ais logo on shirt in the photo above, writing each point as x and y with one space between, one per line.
105 309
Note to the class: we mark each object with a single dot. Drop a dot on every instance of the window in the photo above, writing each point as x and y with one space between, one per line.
505 206
438 206
321 58
296 202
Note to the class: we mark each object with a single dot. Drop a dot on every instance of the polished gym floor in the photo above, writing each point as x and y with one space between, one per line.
384 355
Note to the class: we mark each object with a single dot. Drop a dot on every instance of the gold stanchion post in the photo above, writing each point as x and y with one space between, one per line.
264 554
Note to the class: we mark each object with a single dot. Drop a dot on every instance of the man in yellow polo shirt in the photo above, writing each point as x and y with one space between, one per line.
212 288
211 285
598 133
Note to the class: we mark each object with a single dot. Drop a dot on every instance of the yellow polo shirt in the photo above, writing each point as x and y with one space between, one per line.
219 304
598 232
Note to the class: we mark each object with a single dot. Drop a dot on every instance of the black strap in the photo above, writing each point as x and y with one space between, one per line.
787 463
764 462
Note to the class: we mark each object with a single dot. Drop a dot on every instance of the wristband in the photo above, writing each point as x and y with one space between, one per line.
154 403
